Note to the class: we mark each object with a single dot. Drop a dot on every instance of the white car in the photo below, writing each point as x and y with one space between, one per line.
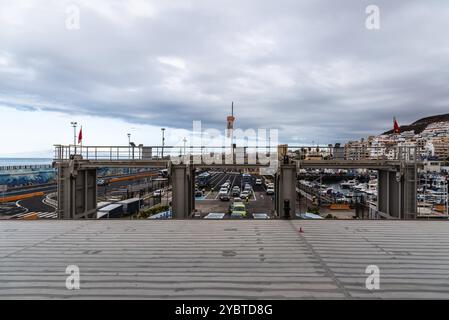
245 194
223 195
158 193
270 190
258 182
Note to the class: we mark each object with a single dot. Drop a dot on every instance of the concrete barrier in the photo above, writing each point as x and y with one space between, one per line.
339 206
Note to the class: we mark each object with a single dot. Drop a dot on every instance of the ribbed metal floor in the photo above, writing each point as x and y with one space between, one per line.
224 259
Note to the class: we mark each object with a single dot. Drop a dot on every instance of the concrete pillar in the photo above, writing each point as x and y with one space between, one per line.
77 192
182 180
285 189
397 192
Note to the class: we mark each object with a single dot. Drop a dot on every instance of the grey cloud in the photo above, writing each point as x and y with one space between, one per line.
310 69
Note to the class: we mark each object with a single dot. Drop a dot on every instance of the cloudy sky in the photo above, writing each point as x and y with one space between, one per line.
308 68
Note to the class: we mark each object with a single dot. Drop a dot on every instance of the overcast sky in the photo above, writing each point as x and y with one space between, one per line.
308 68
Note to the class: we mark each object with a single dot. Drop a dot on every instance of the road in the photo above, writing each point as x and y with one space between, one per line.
259 202
36 204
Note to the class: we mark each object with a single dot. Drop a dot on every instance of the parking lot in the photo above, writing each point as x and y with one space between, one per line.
258 202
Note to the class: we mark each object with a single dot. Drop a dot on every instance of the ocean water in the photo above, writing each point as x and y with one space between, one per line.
24 161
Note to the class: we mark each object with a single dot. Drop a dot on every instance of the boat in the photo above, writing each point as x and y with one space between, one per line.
348 184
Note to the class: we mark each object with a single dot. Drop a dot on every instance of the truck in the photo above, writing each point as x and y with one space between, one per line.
130 206
111 211
103 204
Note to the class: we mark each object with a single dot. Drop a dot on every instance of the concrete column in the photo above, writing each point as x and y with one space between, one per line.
397 192
77 192
182 180
286 189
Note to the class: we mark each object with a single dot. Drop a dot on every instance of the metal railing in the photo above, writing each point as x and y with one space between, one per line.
398 153
26 167
116 153
62 152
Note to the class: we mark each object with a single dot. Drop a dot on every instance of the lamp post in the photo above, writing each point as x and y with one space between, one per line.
163 142
129 144
184 140
73 124
269 146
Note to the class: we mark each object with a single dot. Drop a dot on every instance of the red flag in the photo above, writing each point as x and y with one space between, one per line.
80 135
396 128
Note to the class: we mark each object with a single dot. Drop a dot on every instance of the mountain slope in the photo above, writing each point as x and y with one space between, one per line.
421 124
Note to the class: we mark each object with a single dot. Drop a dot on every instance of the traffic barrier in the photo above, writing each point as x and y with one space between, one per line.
151 174
339 206
29 216
21 197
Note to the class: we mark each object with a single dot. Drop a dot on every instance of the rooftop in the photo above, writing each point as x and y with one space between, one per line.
224 259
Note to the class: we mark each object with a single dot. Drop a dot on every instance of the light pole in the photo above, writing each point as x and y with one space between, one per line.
269 146
163 142
129 144
73 124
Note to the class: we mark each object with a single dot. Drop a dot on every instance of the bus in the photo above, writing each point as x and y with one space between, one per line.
203 179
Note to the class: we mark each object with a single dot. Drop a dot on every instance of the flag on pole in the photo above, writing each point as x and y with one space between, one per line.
80 135
396 128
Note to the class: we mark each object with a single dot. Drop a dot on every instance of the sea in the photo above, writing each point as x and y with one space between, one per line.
24 161
21 171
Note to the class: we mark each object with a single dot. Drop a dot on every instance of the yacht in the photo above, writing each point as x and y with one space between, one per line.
348 184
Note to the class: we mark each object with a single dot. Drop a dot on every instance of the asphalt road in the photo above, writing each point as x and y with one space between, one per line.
259 202
36 204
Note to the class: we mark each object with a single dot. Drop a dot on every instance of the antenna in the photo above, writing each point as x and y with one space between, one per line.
232 109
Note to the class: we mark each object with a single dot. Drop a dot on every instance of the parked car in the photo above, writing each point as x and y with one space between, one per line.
236 191
237 200
198 193
258 182
270 190
101 182
226 185
245 194
223 195
158 193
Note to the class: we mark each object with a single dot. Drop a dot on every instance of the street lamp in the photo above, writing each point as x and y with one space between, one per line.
129 143
184 140
73 124
269 146
163 141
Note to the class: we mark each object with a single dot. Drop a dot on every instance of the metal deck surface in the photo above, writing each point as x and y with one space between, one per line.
224 259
